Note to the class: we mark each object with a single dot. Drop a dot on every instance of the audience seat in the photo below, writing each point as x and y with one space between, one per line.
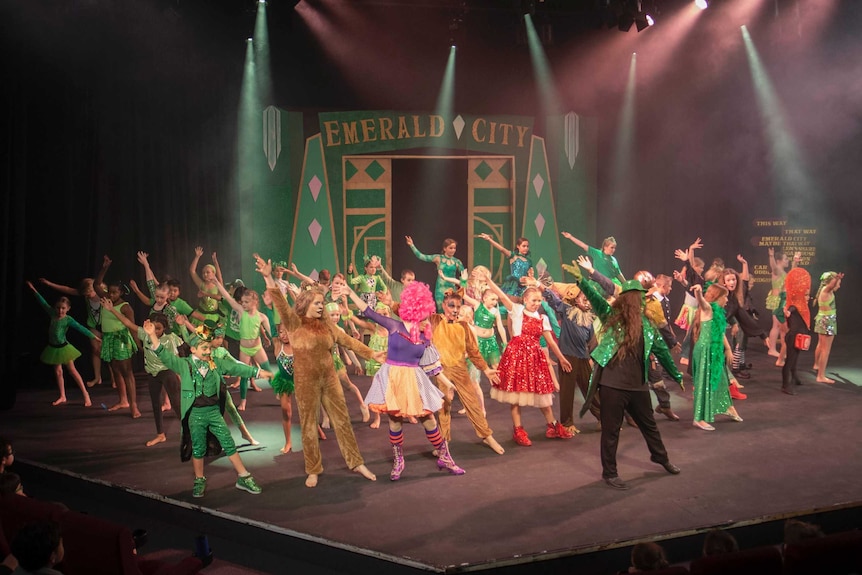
757 561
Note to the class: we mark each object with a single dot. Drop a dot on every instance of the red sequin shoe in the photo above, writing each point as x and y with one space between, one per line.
521 438
736 394
556 430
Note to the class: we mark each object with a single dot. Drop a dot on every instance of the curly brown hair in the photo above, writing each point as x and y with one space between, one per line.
626 321
304 299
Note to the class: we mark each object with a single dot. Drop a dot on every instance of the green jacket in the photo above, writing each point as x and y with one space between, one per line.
608 347
193 384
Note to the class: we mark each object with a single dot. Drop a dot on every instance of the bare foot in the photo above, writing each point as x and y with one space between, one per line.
59 401
492 443
773 353
166 406
247 436
254 386
462 411
87 401
366 415
683 360
364 472
779 363
160 438
311 480
413 420
325 424
117 406
241 406
287 447
93 382
375 424
135 414
234 385
825 380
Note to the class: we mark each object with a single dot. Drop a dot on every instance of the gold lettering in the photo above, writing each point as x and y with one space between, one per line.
437 126
506 128
416 132
476 123
349 133
332 138
522 130
402 128
492 133
386 129
368 133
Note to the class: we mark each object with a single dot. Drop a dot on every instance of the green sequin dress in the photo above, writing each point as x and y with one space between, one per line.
709 369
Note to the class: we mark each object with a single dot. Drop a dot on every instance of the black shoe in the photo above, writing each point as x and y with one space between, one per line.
746 366
668 466
788 391
616 483
742 374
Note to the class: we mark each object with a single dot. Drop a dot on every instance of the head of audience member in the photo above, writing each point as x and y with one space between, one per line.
718 542
648 557
796 531
10 484
7 454
609 246
38 545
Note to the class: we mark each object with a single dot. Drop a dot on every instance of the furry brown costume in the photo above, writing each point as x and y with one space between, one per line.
317 383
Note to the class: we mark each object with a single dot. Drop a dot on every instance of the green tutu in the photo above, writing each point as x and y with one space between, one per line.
281 383
118 345
490 350
59 355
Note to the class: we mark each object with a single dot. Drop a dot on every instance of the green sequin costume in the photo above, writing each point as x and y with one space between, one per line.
59 351
488 347
709 369
451 268
376 342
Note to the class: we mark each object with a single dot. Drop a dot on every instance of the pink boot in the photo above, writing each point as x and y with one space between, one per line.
444 460
397 463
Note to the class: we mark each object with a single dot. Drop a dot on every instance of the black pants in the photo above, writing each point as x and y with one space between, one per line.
615 402
656 376
788 372
171 383
578 378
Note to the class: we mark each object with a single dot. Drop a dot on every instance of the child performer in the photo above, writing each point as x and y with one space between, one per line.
465 315
449 268
200 391
519 265
164 297
282 382
401 388
250 346
577 337
207 284
603 260
94 321
826 322
525 378
797 287
59 351
118 346
161 378
333 310
778 263
312 336
486 318
369 283
710 358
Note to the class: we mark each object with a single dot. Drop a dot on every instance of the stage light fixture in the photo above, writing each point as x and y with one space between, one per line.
643 21
249 40
702 4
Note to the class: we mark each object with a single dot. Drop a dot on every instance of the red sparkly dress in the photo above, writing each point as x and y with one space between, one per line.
523 370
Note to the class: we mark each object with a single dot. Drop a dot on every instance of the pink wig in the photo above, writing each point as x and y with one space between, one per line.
417 304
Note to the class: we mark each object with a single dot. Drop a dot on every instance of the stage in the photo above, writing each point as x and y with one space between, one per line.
791 456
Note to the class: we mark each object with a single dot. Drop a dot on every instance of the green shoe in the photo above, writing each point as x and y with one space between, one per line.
248 483
200 487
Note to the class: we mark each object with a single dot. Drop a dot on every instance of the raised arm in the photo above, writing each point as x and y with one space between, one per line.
219 277
100 277
576 241
42 303
288 316
744 274
66 290
140 294
504 298
702 304
193 267
419 254
297 274
227 297
494 243
797 260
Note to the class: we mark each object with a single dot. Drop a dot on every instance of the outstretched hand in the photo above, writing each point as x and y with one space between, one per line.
149 327
379 356
696 245
30 285
492 375
199 251
409 240
107 303
143 257
263 267
681 255
106 262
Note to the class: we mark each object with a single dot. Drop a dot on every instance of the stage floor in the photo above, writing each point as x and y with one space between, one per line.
791 455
